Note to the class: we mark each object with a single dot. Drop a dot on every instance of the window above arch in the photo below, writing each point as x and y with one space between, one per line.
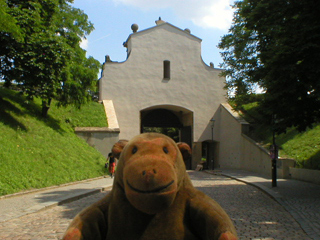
166 69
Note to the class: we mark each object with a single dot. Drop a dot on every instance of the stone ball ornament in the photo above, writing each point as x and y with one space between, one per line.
134 27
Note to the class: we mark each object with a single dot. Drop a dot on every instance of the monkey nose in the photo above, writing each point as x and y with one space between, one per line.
152 171
148 175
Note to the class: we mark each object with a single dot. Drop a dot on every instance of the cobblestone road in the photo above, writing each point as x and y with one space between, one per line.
255 214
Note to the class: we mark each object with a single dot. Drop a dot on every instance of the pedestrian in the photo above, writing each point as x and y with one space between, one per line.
111 164
106 165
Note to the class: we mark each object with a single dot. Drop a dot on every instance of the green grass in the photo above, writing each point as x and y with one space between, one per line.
304 147
90 115
37 152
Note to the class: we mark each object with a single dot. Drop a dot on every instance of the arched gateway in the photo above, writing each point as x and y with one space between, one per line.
164 83
172 117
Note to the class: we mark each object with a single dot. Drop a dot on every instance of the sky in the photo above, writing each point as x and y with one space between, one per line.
112 19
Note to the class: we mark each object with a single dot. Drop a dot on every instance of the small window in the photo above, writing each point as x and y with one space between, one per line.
166 69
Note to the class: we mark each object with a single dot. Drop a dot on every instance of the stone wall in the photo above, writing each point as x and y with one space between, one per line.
237 150
307 175
254 157
101 139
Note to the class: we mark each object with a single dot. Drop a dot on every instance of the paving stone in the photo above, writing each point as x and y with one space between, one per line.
255 214
300 199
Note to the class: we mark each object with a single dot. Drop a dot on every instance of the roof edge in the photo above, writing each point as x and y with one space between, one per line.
159 25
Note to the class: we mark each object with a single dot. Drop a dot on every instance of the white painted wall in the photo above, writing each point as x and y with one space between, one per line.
229 136
138 83
238 151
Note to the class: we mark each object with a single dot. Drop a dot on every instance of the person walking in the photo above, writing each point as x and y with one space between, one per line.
111 164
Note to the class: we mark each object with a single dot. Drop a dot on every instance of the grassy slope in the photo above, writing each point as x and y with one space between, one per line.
37 152
304 147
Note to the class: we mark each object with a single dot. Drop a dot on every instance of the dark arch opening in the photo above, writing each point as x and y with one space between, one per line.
162 121
165 121
161 118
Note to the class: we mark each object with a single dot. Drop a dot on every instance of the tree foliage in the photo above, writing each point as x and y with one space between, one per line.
7 22
276 45
168 131
48 63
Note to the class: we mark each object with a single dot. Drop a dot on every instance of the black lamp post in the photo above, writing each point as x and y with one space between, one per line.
212 121
274 153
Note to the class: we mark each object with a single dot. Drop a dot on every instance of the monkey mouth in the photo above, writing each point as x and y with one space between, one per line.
156 190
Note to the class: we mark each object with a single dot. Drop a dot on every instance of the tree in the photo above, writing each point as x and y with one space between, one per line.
7 22
276 45
240 57
49 62
168 131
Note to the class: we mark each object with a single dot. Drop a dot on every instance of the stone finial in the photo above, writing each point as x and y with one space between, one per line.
134 27
108 59
187 30
211 64
158 22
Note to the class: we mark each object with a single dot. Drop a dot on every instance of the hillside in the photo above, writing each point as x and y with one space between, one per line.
304 147
37 152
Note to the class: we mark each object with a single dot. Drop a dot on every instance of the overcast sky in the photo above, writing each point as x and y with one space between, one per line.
112 19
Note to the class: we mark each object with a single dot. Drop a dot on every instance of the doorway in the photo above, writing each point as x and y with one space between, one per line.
170 121
209 155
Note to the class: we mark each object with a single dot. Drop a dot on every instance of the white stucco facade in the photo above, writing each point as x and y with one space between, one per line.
193 92
190 93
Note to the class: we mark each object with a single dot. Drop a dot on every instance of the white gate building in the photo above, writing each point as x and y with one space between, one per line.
165 83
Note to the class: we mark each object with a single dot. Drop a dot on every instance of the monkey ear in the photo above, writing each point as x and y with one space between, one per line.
185 150
118 147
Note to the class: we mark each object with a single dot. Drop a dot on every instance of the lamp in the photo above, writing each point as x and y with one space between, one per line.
212 121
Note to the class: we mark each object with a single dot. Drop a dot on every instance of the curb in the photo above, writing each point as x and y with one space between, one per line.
24 192
83 194
60 201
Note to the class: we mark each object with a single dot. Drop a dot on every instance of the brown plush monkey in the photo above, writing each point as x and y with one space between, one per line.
152 198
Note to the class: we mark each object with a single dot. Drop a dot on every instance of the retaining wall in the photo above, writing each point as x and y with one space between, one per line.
101 139
307 175
254 157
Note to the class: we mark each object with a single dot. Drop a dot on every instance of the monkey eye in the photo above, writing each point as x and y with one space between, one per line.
134 150
165 149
